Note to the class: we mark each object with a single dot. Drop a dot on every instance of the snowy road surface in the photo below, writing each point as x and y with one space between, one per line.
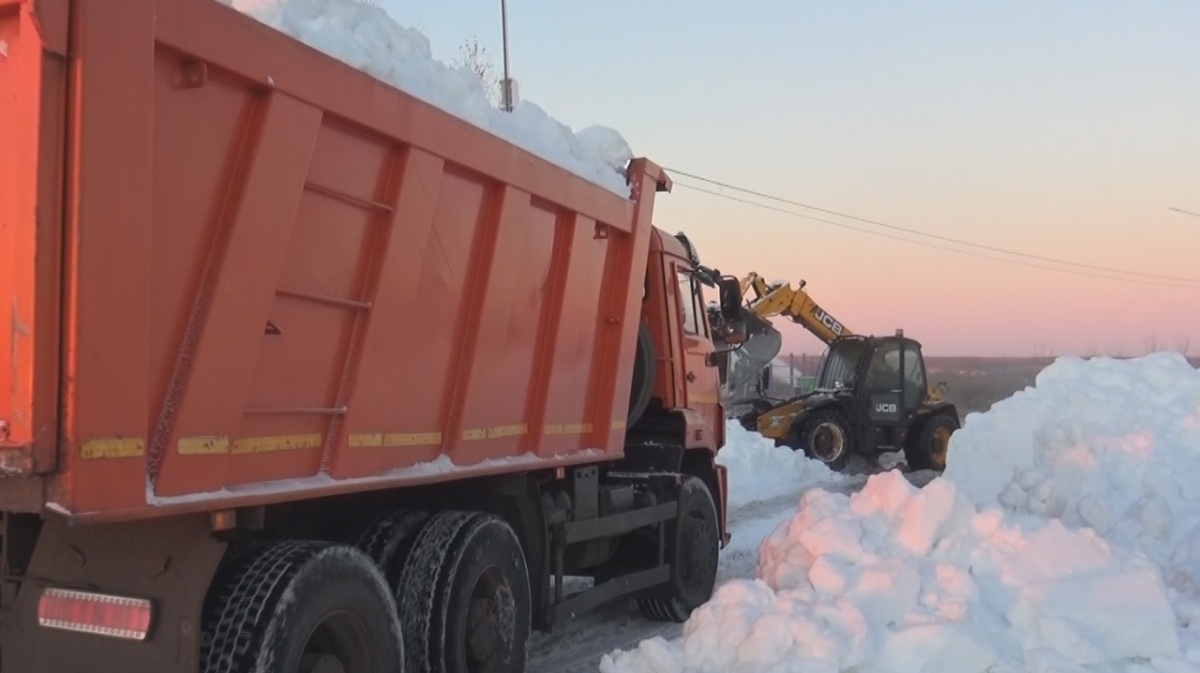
578 647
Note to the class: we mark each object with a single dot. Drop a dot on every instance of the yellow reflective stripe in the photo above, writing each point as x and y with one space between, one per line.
280 443
113 447
198 446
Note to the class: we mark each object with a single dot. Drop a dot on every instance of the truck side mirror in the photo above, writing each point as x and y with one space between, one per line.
731 297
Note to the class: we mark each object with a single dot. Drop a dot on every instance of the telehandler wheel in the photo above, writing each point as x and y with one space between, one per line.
930 449
300 607
642 386
825 436
465 597
693 548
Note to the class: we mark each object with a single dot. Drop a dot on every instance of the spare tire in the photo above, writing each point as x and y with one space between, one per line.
642 385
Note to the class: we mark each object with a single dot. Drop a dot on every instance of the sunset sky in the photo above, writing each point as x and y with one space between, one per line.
1065 130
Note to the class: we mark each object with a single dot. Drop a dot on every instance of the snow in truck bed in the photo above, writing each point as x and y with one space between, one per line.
367 37
1064 536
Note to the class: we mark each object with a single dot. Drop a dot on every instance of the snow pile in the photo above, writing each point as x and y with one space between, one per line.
760 471
368 38
1109 444
1063 537
898 579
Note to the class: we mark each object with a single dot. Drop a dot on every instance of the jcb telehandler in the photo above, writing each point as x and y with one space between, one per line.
872 393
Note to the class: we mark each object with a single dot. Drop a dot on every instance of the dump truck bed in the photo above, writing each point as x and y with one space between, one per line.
235 271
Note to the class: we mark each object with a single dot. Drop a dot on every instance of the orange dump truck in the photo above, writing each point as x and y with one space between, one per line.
301 374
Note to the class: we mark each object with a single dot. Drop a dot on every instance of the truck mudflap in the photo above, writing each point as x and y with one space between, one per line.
722 473
128 594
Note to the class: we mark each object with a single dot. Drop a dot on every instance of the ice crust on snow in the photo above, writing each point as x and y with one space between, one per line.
1064 536
368 38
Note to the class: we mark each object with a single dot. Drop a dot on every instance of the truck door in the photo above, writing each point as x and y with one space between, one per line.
700 380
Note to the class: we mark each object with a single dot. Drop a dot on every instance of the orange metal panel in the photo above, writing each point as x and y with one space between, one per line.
215 379
32 82
109 247
284 279
378 433
570 419
18 143
486 421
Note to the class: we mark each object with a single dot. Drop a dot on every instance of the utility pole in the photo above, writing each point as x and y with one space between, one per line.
508 87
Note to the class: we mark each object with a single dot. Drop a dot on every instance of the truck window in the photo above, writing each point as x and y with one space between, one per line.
691 304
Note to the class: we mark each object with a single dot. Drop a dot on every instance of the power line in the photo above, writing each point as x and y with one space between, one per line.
948 239
932 245
1186 212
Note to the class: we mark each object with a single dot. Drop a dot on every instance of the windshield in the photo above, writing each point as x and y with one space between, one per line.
840 364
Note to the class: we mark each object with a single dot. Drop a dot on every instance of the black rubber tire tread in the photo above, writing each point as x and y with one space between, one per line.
644 372
918 454
802 428
388 538
672 602
250 610
429 595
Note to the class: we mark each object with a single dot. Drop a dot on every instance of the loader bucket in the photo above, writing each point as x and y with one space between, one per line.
744 366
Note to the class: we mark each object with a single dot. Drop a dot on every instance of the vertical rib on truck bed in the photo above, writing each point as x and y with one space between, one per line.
284 278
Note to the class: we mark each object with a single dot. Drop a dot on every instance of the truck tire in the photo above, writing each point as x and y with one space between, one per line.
464 596
388 538
693 550
929 449
301 606
642 386
824 435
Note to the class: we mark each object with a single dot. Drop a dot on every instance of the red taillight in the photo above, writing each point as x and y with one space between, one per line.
85 612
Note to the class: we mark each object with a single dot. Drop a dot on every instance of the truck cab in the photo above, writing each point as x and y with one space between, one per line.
677 417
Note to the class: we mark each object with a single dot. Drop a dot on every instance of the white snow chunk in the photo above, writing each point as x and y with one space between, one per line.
366 37
761 471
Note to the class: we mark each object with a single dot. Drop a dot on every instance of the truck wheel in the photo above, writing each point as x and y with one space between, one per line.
301 607
693 550
388 538
642 386
824 436
464 597
930 450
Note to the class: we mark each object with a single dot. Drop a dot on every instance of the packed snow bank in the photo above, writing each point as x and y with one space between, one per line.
1065 536
760 471
367 37
898 579
1109 444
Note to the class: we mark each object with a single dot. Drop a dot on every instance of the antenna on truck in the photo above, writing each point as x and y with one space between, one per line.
508 87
